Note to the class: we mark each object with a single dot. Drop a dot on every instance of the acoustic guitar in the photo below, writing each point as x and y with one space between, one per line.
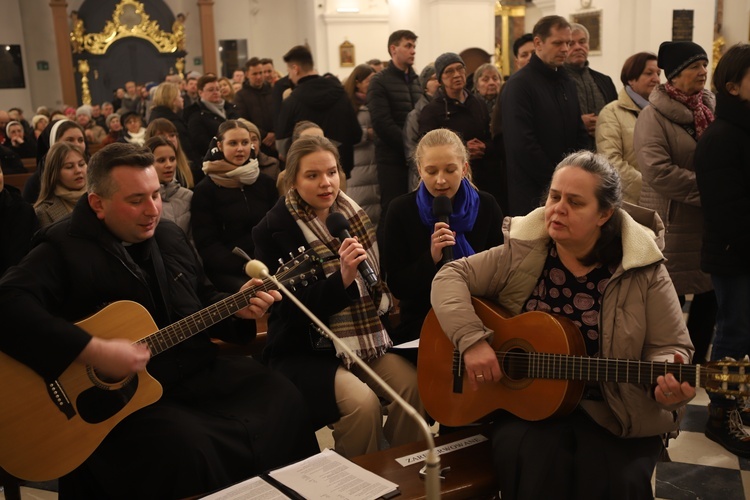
545 369
47 429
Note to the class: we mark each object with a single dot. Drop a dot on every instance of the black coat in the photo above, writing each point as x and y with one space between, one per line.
223 218
17 225
230 409
541 125
289 347
323 101
722 169
195 157
408 263
10 162
256 105
389 99
470 120
203 124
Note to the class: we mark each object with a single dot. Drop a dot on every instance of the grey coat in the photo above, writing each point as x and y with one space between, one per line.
664 150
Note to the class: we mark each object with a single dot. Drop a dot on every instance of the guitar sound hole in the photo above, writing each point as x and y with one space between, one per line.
515 367
96 405
107 380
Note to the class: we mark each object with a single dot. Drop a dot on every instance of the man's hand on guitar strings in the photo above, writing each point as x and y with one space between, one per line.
669 391
260 303
481 365
114 359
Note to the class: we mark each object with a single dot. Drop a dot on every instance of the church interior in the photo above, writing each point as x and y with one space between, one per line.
62 53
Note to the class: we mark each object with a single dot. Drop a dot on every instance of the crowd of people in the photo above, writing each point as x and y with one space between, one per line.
564 195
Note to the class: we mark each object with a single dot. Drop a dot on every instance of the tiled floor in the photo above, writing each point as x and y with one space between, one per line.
700 469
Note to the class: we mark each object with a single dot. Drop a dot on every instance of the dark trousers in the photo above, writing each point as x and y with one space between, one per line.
732 321
571 458
230 422
701 322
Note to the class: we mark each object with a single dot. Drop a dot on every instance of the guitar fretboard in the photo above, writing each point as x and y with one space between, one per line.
566 367
185 328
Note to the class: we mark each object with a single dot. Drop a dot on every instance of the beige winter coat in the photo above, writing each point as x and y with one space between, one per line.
614 139
640 316
665 155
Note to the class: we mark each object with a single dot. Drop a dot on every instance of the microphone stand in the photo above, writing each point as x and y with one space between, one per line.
257 269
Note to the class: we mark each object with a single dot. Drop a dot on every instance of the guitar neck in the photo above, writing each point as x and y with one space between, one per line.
566 367
189 326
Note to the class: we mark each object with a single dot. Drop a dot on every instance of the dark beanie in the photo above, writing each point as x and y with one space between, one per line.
676 56
427 73
445 60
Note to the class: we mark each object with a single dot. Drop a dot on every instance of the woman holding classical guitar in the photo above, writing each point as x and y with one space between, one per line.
583 257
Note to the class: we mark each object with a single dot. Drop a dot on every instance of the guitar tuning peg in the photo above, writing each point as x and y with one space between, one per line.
281 261
291 255
301 249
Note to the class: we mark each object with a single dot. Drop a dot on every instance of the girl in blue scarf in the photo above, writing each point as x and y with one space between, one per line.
413 238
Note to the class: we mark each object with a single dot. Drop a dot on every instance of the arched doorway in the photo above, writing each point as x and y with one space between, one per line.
117 41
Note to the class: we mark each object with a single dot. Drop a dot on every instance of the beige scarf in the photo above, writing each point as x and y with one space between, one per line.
228 175
358 326
68 197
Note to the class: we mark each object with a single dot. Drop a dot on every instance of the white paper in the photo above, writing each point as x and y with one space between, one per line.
441 450
328 475
412 344
255 488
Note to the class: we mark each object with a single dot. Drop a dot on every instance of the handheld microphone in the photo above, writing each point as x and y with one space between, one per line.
257 269
338 226
442 210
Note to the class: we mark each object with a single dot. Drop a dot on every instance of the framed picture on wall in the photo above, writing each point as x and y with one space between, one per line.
593 21
346 54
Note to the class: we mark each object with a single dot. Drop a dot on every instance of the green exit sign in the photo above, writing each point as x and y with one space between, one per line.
197 61
42 65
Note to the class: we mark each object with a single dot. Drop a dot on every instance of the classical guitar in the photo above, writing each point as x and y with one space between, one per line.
545 369
47 429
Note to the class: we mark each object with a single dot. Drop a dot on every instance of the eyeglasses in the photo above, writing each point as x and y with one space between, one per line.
210 89
452 71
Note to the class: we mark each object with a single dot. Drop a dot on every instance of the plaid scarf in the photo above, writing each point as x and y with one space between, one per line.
359 324
702 115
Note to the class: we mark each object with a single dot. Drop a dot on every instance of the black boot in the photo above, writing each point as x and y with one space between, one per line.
725 427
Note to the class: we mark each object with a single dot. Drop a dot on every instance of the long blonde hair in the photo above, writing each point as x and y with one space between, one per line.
165 95
53 165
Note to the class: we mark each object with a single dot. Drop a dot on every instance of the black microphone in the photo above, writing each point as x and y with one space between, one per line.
338 226
442 210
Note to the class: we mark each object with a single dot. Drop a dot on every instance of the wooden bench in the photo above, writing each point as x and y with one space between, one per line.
29 164
17 180
471 472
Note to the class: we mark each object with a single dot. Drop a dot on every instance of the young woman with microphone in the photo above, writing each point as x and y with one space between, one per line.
415 238
338 393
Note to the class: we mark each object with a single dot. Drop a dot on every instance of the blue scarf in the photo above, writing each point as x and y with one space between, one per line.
465 210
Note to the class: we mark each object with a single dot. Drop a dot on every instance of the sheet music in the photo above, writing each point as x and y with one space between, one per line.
255 488
412 344
328 475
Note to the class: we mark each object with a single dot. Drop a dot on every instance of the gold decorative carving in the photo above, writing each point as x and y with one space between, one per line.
129 19
76 33
718 45
83 69
180 66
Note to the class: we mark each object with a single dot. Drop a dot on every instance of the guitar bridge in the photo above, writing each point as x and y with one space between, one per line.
60 398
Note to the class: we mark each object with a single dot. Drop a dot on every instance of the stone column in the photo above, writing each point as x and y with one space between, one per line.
208 36
64 55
